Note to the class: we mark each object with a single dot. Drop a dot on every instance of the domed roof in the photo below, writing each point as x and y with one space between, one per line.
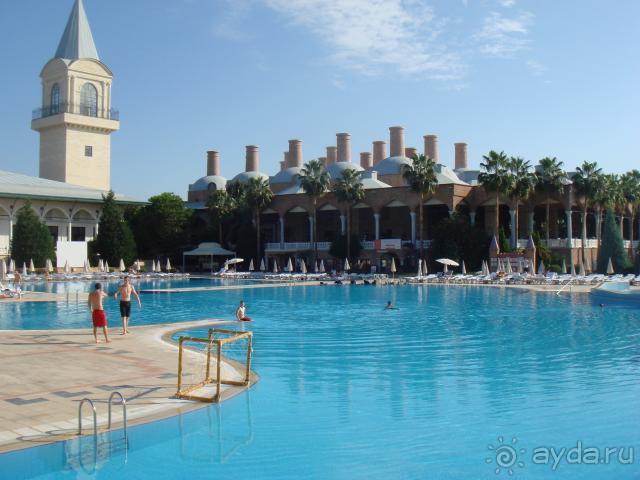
202 184
245 176
288 175
391 165
335 169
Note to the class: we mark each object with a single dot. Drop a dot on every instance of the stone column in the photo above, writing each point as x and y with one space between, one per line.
514 228
531 223
376 221
97 228
282 240
569 215
413 227
69 231
472 218
343 224
311 239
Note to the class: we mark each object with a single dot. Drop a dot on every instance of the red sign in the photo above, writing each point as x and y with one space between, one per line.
388 244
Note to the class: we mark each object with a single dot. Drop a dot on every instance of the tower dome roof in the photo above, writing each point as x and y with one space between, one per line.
244 177
287 175
335 169
204 183
391 165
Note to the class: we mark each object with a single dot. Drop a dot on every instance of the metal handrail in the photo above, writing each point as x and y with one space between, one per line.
77 109
95 417
124 411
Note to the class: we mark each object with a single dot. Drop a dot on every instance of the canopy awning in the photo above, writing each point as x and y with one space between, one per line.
210 249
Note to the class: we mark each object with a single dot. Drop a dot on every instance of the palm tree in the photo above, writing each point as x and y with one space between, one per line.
550 176
258 197
630 184
496 178
349 190
423 180
523 186
314 180
605 197
585 183
221 205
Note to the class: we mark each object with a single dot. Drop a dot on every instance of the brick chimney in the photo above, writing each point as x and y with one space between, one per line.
323 160
253 158
366 160
344 147
431 147
379 151
213 163
461 156
332 155
396 135
409 152
295 153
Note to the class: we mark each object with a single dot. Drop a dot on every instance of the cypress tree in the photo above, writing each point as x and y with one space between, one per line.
114 240
612 247
31 238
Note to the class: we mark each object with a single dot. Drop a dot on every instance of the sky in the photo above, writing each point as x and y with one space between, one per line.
533 78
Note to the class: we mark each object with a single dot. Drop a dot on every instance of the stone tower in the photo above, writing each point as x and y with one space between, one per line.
76 119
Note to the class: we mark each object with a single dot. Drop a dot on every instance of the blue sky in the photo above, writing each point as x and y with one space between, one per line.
530 77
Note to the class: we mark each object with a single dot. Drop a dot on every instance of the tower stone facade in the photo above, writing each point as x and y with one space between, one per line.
76 120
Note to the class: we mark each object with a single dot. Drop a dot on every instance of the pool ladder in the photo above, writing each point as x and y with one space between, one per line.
95 416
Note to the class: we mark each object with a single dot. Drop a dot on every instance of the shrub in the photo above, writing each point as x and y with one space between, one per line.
612 247
31 239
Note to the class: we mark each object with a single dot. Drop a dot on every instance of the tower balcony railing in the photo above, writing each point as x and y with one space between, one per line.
85 110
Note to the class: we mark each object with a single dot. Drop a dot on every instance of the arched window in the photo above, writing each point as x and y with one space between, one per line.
89 100
55 99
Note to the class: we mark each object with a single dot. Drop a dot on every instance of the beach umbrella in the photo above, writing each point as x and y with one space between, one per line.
424 268
322 270
153 265
86 266
582 273
520 267
347 267
303 266
289 266
106 266
393 265
419 267
3 269
168 265
32 268
48 266
315 267
67 268
100 265
541 268
573 269
509 270
610 267
24 269
464 268
251 269
532 267
262 266
12 266
275 266
564 266
498 265
121 267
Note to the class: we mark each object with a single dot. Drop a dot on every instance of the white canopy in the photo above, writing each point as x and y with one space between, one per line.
48 265
448 261
121 266
425 272
464 268
233 261
419 267
275 266
106 266
610 270
168 266
262 265
347 267
564 266
289 266
24 269
573 269
211 249
12 266
393 265
582 272
303 266
322 270
251 269
32 268
67 268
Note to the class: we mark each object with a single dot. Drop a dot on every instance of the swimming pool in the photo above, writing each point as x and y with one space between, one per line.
349 391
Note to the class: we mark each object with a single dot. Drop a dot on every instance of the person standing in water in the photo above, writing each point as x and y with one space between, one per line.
98 316
125 291
241 313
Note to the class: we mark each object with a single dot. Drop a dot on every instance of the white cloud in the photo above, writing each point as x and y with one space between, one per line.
501 36
373 36
507 3
536 68
230 23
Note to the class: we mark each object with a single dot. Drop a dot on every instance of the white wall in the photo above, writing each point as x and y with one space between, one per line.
73 252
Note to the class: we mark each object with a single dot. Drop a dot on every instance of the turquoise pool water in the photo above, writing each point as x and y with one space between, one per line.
350 391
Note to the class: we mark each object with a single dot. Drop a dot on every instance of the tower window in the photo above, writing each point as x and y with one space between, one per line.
89 100
55 99
88 151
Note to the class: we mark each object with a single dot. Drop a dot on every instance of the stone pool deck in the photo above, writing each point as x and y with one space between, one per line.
45 374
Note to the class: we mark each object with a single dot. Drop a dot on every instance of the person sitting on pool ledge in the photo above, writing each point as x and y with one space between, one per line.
240 313
97 312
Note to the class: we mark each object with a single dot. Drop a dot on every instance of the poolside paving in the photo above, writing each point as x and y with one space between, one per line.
45 374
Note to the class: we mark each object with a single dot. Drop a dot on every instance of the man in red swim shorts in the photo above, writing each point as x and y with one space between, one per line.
97 312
